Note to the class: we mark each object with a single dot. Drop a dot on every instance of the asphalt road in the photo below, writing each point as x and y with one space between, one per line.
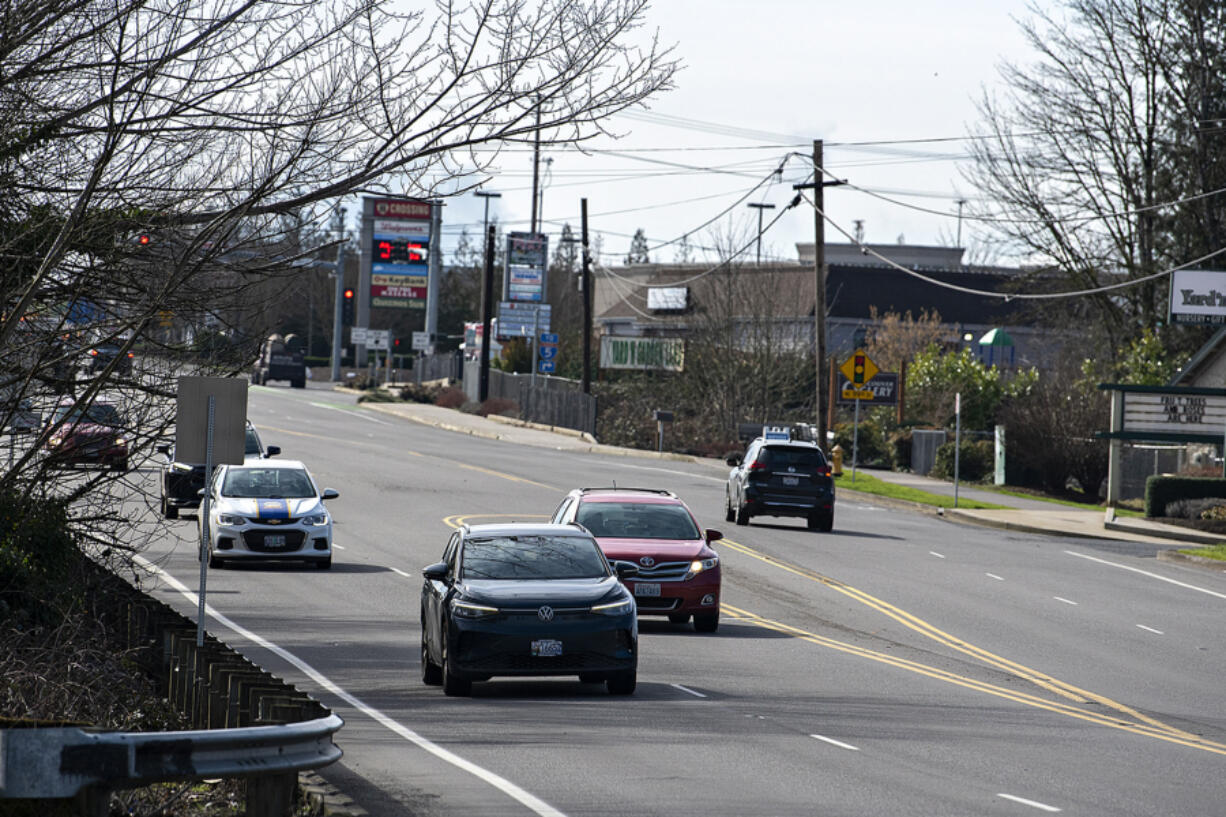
901 665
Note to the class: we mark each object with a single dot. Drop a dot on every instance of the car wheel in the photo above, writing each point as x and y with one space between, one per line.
453 686
169 511
431 673
216 562
324 564
298 384
707 622
742 514
622 683
729 513
678 618
823 522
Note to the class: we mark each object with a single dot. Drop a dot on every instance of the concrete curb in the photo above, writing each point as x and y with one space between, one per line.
1216 565
569 432
1004 524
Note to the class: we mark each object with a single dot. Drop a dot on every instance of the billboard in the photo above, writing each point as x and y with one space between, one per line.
1198 296
527 260
642 353
400 254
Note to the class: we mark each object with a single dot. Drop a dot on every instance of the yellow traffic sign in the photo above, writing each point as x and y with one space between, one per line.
858 369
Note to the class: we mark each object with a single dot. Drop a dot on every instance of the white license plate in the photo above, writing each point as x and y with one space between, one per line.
791 480
274 540
647 589
547 648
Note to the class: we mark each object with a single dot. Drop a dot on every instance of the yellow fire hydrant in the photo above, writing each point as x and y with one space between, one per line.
836 460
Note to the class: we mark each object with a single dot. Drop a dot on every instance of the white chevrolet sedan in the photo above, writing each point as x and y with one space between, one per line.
267 509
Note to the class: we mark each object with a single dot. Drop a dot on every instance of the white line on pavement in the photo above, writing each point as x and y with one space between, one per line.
402 573
934 553
837 743
994 576
353 412
1150 630
1147 573
1066 601
1031 803
687 689
499 782
338 547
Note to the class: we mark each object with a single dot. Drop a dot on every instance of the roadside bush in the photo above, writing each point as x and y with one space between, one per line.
451 397
414 393
37 551
976 461
900 448
499 405
871 446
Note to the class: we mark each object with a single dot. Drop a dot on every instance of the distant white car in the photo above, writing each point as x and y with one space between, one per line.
268 509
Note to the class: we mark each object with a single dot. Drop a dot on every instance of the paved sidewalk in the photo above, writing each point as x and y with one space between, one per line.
1022 514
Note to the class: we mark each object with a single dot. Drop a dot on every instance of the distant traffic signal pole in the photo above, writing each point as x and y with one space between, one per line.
339 277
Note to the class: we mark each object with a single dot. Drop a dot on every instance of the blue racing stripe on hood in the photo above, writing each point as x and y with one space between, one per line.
272 509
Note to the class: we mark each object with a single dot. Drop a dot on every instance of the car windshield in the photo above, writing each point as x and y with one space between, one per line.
253 443
637 520
99 413
794 456
533 557
270 483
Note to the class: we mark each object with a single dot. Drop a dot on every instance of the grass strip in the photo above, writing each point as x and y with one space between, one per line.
868 484
1217 552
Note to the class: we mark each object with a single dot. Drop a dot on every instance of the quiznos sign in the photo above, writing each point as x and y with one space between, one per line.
1198 296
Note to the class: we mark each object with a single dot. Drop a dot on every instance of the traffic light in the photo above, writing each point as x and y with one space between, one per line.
142 239
347 308
858 366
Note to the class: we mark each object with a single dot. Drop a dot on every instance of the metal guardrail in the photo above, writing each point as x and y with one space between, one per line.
60 763
250 723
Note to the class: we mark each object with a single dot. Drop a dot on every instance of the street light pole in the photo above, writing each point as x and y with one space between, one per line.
760 208
487 269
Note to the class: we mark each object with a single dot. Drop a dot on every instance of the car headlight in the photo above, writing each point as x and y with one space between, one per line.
468 609
121 441
181 467
230 519
699 565
614 608
55 442
318 519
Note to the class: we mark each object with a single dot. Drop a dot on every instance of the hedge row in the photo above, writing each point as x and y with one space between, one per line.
1160 491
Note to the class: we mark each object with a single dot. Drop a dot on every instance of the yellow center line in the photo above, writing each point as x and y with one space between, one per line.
460 519
1040 679
1164 734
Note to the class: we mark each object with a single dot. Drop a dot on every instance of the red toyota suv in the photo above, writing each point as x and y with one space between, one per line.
678 571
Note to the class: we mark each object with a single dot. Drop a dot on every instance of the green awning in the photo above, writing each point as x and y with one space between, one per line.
996 337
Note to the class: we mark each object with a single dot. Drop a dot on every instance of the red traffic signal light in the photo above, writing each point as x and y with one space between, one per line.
142 239
348 294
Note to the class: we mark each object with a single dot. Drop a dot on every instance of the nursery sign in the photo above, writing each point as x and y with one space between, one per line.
1167 413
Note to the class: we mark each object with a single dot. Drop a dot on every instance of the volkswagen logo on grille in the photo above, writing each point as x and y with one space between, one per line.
791 469
545 613
647 561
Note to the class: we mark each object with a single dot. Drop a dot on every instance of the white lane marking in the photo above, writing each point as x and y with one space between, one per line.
687 689
994 576
1066 601
402 573
353 413
1147 573
837 743
1151 630
934 553
667 471
499 782
1031 803
338 547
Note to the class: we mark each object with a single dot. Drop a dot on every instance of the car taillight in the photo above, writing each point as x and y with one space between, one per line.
757 466
130 354
824 471
93 352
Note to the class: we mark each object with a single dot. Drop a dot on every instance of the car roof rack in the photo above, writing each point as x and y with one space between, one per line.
618 488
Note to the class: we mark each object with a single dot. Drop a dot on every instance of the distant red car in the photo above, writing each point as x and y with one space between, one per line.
679 574
92 434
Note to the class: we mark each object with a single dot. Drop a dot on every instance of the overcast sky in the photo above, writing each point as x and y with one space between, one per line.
763 78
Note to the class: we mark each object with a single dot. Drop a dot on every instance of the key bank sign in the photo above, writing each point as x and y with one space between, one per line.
1198 296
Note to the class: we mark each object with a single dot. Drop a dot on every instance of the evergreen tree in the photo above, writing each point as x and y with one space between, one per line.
638 249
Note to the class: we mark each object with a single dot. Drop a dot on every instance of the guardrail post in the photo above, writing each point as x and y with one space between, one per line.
93 801
271 795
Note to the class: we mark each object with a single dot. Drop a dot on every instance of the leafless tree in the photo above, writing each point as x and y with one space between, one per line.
163 162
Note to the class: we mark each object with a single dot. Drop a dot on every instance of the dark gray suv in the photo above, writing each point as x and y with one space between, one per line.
781 478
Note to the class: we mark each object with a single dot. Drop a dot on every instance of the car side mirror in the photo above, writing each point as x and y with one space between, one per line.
272 451
625 570
201 493
329 494
164 448
713 535
733 459
435 572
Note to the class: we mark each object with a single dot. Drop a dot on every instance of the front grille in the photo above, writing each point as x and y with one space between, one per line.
558 612
518 662
254 540
257 520
663 572
655 604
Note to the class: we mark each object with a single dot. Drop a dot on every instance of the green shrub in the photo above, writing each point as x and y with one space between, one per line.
1163 491
37 552
869 442
976 461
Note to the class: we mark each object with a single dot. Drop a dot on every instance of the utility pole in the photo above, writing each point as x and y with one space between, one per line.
819 270
760 208
587 306
536 162
487 315
338 297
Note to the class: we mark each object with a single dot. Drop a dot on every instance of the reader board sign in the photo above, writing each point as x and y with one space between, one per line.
516 319
400 254
667 354
881 390
1174 412
1198 296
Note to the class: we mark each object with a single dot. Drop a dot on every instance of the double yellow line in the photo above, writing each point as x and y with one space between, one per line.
1140 724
